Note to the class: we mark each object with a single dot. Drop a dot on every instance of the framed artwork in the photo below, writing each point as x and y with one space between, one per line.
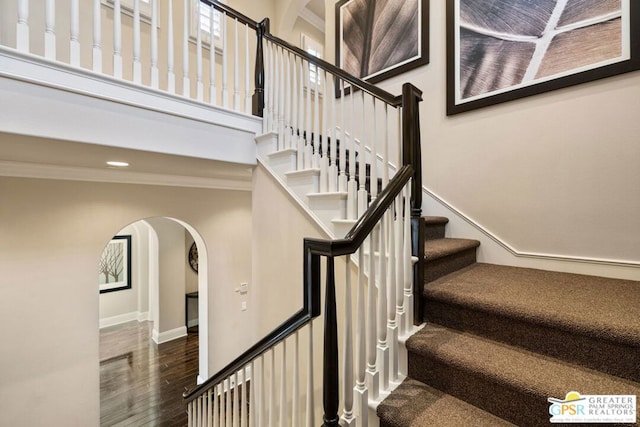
114 270
502 50
378 39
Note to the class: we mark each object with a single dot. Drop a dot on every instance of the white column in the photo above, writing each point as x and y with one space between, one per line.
22 27
97 37
117 40
50 29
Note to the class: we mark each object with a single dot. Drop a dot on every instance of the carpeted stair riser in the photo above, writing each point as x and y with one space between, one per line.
509 382
552 341
448 264
434 227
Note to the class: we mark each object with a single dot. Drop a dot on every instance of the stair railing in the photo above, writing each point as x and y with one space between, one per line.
202 51
354 136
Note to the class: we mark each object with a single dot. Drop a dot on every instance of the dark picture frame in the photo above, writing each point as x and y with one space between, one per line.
114 269
398 42
488 62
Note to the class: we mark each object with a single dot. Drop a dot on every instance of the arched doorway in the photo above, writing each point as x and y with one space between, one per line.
146 355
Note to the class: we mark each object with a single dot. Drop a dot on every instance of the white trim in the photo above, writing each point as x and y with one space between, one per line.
144 316
118 320
313 19
193 322
616 268
163 337
74 173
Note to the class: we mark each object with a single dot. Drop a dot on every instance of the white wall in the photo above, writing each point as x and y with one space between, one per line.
555 174
53 233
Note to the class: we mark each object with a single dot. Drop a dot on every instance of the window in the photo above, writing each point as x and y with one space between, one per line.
126 6
201 21
314 48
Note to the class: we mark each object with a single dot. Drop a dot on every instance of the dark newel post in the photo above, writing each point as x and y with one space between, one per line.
258 95
411 154
330 363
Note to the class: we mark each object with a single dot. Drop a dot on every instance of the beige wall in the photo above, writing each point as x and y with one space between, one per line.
556 173
52 234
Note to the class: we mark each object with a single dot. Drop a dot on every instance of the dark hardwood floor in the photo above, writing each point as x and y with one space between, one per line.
141 383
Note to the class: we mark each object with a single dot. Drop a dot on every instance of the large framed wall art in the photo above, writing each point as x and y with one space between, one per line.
378 39
501 50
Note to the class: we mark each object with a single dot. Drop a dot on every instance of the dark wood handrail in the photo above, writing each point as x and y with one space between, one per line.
395 101
232 12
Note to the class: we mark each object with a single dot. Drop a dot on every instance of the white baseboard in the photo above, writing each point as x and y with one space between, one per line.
192 322
166 336
143 316
119 319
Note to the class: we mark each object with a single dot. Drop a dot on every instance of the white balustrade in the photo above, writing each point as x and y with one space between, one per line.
50 29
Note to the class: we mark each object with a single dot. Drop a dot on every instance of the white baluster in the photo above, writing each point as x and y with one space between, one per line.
348 417
272 390
213 94
352 186
186 83
236 69
333 168
383 348
373 175
342 181
155 74
227 401
408 265
308 154
392 297
243 398
22 27
117 40
271 85
266 110
199 83
310 412
295 141
262 409
225 61
171 75
299 111
97 37
198 420
283 386
316 120
373 376
280 95
287 100
321 135
74 28
216 407
362 161
50 29
247 86
253 409
190 415
385 146
399 229
235 415
137 65
210 409
295 398
361 392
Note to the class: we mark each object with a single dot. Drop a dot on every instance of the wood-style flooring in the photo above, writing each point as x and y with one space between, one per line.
141 383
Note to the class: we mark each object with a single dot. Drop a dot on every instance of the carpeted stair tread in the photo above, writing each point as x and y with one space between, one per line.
440 248
435 220
499 378
414 404
586 305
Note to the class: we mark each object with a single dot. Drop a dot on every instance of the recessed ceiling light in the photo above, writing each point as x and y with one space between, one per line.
118 164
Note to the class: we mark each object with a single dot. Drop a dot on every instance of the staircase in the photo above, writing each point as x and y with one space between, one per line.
499 341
